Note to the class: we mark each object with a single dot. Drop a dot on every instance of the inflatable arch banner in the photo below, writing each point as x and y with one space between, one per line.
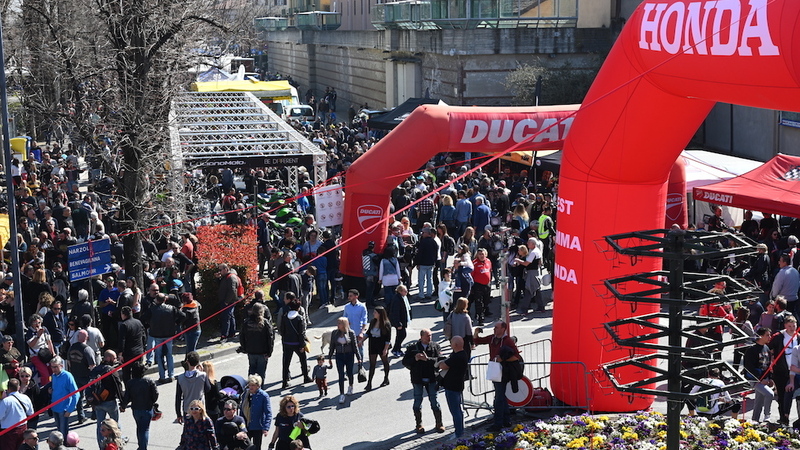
672 62
429 130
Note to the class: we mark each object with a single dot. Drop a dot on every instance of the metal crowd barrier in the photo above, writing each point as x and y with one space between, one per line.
479 394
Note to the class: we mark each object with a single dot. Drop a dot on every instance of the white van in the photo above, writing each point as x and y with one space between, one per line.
303 113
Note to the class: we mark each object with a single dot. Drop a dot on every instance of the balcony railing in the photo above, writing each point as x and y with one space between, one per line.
318 20
470 14
270 23
405 15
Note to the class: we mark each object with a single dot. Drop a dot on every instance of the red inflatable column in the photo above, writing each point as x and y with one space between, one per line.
676 196
671 63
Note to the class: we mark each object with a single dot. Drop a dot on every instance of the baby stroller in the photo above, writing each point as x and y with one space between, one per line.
231 388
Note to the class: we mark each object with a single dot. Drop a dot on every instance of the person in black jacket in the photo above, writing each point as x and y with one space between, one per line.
81 362
257 339
132 339
56 323
293 332
112 392
141 394
421 359
83 306
453 381
163 318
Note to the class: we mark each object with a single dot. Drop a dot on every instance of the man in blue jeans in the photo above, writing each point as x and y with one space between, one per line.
62 385
421 359
453 382
499 340
141 394
109 395
162 318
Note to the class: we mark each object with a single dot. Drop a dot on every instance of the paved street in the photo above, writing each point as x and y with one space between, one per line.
378 419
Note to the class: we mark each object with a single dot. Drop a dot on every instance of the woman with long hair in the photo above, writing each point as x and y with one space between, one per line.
212 395
447 214
136 296
345 345
462 324
288 417
379 334
462 268
112 436
468 239
37 286
389 274
519 218
400 316
198 429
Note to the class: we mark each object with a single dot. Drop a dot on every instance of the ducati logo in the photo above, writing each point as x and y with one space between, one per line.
369 215
674 202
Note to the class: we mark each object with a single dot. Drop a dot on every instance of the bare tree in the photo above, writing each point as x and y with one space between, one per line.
110 68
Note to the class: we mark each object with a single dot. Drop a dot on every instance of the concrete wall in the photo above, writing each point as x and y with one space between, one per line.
462 67
788 140
756 133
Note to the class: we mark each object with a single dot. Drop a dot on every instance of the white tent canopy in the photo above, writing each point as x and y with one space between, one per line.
703 167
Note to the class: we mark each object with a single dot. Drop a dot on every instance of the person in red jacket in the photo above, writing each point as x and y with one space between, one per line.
717 310
481 293
500 343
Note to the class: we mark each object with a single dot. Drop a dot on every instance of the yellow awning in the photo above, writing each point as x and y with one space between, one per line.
278 90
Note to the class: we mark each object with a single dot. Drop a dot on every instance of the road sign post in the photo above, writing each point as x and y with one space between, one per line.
89 259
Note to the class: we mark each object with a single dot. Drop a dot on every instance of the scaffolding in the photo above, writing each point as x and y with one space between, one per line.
236 130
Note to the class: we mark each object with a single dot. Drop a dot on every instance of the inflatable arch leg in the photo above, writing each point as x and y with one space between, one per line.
672 62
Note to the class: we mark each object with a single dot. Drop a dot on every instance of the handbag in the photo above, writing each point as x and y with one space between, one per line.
448 327
494 371
307 347
45 355
157 414
362 374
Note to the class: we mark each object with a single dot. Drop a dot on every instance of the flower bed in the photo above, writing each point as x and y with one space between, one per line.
236 245
644 430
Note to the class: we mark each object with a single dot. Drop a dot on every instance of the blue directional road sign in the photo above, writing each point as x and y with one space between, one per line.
89 259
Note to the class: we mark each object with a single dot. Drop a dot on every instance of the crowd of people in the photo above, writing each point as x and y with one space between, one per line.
456 240
768 320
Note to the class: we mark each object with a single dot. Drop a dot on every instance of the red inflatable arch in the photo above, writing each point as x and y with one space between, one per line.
429 130
672 62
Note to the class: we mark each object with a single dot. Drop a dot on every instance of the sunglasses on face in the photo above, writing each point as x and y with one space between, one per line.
290 406
194 408
229 409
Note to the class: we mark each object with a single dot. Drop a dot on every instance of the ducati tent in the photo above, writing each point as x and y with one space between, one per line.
772 188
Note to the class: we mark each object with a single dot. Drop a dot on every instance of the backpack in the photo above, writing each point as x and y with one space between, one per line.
704 404
97 392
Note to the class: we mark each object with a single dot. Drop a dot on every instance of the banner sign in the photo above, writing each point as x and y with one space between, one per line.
254 162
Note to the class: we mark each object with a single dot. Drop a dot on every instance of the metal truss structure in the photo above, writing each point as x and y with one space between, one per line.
677 290
209 126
